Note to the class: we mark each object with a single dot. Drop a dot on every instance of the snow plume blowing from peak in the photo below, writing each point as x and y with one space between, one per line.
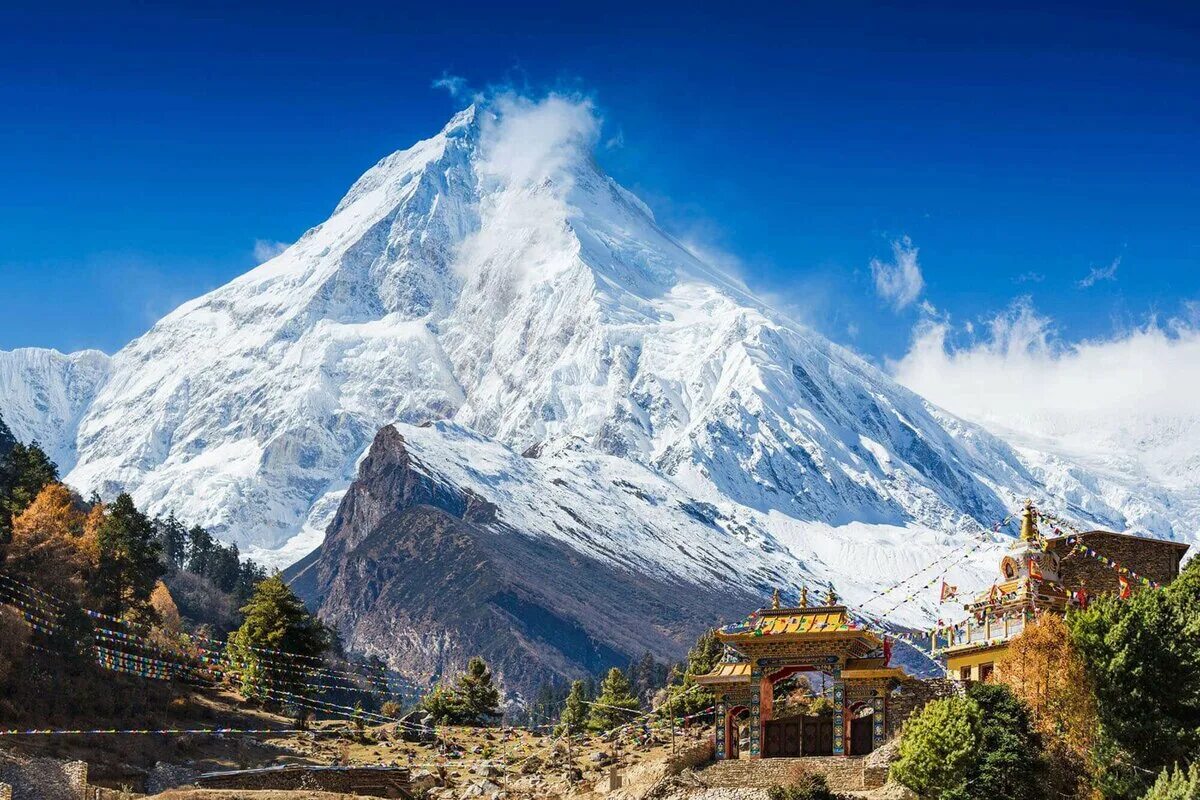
527 142
1136 388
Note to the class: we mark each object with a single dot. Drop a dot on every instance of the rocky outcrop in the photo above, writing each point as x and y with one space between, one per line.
426 575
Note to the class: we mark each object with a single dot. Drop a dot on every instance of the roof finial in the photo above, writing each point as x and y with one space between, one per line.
775 599
804 597
831 598
1029 529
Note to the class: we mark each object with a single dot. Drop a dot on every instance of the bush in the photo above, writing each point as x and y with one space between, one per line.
809 787
390 708
1176 784
978 747
938 749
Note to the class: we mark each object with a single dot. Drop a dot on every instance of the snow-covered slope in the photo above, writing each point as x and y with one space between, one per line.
494 276
44 394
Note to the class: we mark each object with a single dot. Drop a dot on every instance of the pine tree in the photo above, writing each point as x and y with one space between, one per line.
173 536
199 551
24 471
275 620
575 712
684 697
129 562
478 697
613 704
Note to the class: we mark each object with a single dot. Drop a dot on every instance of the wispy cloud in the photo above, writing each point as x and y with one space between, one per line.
1098 274
455 85
1020 375
899 282
1029 277
266 249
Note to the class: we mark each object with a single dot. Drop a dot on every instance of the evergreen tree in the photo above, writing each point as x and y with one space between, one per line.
978 747
275 620
24 471
705 654
129 562
173 537
444 705
1142 656
613 704
1177 784
1009 765
938 749
478 698
199 551
575 711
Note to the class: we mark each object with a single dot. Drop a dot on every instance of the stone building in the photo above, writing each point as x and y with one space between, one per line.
1048 575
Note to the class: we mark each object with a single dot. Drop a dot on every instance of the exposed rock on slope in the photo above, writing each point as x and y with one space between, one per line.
426 574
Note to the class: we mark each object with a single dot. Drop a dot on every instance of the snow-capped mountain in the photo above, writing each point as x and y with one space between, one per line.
44 394
495 277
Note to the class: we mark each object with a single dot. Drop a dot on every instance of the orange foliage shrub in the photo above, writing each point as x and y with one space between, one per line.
1043 669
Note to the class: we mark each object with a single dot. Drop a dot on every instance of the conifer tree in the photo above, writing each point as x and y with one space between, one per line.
575 711
613 703
275 620
24 471
478 697
173 535
129 563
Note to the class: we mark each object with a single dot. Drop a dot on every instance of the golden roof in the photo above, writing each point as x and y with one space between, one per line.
738 672
791 623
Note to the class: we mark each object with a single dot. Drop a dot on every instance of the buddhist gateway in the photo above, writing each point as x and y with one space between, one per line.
862 700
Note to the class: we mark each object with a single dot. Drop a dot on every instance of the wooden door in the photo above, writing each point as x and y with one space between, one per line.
782 739
818 736
861 739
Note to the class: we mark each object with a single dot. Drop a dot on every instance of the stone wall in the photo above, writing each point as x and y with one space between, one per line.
914 694
5 791
1157 560
375 781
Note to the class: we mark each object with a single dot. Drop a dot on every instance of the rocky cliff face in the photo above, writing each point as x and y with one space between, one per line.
425 575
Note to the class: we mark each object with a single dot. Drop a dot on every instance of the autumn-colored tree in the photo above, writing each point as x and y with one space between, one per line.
163 604
1045 671
48 545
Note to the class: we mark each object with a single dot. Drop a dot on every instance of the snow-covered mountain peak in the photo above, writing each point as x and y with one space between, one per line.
494 276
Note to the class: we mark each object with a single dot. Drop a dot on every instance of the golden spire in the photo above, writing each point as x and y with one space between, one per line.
804 597
831 598
1029 529
775 599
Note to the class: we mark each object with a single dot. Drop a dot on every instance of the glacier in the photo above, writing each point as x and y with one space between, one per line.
492 279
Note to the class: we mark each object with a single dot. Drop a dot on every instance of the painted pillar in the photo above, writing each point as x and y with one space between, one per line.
879 722
721 723
839 715
756 720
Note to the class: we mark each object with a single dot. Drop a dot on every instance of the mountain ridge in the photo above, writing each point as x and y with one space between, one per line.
494 276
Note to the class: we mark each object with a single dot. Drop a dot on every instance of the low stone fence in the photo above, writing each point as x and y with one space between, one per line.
372 781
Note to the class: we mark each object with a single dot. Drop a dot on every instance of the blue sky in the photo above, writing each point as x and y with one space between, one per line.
144 150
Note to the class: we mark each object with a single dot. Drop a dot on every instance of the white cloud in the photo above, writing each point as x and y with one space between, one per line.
1098 274
526 141
456 86
1030 277
266 249
1136 388
530 150
899 282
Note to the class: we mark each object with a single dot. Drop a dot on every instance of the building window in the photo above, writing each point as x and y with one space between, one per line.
985 671
964 673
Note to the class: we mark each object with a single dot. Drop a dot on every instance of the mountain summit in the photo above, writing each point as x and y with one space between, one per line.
493 279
